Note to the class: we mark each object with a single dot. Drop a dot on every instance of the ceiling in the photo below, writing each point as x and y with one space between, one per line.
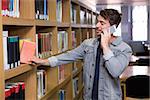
99 2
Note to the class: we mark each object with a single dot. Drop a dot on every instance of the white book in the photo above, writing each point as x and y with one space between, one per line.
39 86
41 90
17 9
5 54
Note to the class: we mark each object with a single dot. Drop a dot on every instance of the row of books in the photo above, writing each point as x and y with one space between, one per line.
16 50
41 9
15 91
87 18
62 41
41 82
14 54
10 8
11 51
44 44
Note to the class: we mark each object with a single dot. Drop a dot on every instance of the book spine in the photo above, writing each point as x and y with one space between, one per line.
5 53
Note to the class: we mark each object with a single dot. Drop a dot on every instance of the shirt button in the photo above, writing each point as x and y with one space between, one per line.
90 76
93 65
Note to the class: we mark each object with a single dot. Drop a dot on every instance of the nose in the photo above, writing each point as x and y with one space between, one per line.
98 25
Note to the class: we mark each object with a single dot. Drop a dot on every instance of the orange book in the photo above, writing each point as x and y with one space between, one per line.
27 51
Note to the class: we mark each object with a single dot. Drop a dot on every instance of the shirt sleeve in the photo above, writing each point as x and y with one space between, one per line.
68 57
108 55
52 61
116 64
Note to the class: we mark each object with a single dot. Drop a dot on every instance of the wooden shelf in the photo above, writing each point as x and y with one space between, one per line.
75 25
63 25
86 26
17 21
44 23
56 88
17 71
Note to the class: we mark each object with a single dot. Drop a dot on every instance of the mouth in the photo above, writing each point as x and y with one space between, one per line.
98 32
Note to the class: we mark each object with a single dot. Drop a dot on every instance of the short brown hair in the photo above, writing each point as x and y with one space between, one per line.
112 15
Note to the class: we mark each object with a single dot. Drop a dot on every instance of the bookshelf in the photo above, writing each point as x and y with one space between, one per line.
27 26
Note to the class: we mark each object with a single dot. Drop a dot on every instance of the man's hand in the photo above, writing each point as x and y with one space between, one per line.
105 40
39 61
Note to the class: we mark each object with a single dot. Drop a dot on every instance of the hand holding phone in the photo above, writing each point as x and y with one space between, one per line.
111 29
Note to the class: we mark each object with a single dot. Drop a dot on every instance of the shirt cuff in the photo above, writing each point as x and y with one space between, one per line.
108 55
53 61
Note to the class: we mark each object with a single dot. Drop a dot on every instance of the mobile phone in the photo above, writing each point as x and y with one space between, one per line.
112 29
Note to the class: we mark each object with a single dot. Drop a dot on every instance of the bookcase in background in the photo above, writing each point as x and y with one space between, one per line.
76 19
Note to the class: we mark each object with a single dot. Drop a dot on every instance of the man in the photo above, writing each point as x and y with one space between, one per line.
101 73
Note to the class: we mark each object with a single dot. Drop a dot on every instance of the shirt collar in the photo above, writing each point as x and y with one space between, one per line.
117 41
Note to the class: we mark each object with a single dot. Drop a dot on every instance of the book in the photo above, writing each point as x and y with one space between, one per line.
13 51
27 51
61 95
7 94
61 73
5 57
41 83
21 42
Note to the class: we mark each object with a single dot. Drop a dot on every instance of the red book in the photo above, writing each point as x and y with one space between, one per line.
4 7
7 93
27 51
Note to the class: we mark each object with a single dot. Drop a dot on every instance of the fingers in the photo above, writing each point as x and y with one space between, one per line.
106 31
33 60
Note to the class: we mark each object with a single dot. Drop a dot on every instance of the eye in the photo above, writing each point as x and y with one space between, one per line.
102 23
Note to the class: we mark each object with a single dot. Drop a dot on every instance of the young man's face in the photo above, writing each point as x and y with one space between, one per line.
101 24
